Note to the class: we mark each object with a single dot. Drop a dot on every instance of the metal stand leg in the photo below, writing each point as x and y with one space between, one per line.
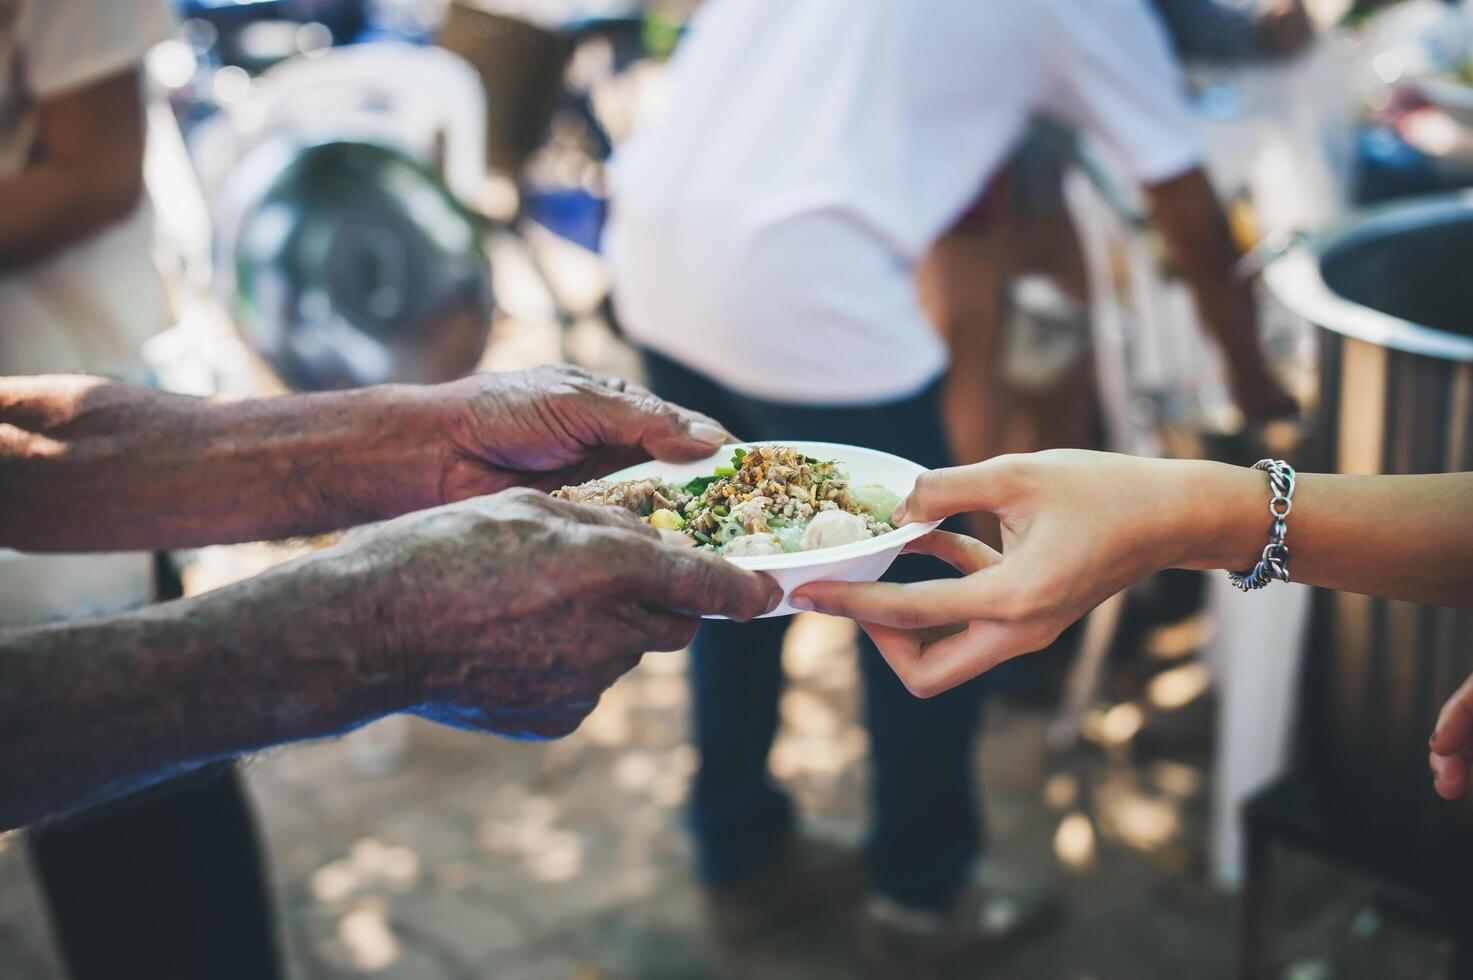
1256 951
1083 684
1461 966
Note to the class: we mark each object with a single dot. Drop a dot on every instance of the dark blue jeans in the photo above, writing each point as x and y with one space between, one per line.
926 828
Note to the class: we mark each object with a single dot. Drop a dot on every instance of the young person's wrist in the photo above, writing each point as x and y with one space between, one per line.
1219 518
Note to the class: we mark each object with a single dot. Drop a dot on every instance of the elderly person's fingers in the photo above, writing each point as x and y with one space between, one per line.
694 583
664 632
631 417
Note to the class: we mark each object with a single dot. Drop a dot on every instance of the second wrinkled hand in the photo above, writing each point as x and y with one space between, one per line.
513 613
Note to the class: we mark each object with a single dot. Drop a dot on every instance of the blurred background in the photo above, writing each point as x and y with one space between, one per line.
454 155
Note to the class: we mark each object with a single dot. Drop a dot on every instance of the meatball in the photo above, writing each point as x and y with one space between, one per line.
832 528
638 496
753 545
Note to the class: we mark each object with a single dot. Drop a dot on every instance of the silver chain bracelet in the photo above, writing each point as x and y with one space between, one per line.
1274 565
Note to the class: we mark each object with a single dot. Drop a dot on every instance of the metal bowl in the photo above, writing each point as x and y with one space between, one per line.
354 265
1392 298
1394 276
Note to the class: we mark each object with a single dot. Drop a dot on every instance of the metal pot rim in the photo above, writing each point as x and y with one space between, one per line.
1297 281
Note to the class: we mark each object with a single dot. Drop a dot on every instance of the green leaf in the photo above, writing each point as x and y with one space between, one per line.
699 485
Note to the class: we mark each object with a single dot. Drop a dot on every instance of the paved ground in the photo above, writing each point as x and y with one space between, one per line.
486 858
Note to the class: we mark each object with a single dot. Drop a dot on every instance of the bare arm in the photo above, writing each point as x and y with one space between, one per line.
1192 221
86 172
90 466
1078 527
1403 537
92 710
86 465
508 614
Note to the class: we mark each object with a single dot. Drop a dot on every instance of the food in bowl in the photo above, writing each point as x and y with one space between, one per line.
769 500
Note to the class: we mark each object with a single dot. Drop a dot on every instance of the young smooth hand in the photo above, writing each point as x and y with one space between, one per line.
1452 744
1074 533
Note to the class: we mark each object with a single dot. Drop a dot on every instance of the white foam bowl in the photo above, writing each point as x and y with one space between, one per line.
862 561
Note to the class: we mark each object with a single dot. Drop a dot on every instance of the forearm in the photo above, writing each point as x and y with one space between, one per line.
96 709
1404 537
47 209
85 171
1197 234
90 466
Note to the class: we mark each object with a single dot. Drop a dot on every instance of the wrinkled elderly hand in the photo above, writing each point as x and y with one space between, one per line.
513 613
1074 533
1452 744
553 426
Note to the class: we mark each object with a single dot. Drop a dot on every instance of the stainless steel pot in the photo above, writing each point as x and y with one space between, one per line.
353 265
1390 294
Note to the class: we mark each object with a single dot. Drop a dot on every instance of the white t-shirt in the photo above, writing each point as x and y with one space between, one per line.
88 308
766 230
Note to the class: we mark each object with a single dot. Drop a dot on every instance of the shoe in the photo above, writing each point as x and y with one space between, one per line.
921 944
802 880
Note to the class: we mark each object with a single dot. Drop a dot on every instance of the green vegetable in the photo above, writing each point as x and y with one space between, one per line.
721 510
725 471
738 456
877 501
699 485
791 538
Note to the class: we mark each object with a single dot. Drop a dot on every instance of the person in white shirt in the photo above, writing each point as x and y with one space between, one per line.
79 295
763 240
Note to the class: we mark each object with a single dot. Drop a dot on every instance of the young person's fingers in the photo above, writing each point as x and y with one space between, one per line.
939 494
967 555
929 669
1454 728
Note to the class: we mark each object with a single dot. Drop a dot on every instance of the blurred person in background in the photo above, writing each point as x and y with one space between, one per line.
763 245
1228 32
1007 283
483 606
169 884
